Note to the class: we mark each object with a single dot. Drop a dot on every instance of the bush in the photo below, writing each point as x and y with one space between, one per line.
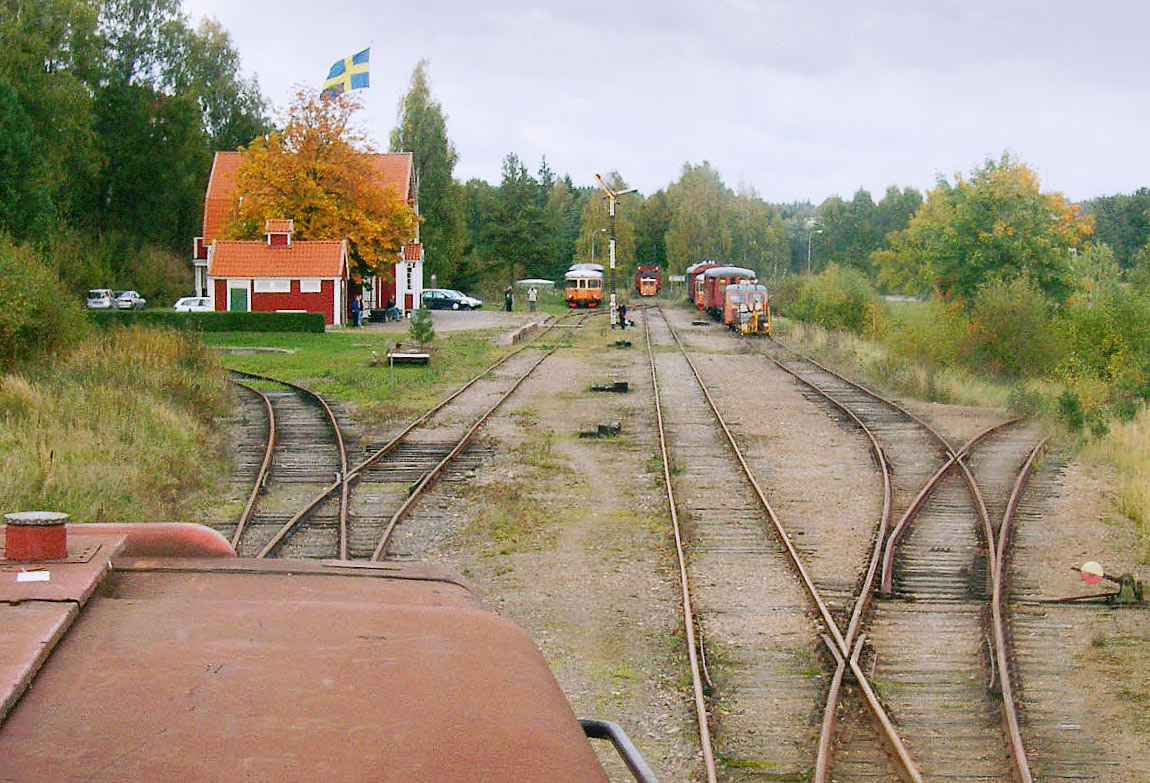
1011 331
212 322
1070 411
838 299
38 317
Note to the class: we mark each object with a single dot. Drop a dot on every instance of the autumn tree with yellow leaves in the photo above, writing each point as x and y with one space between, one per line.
317 171
996 226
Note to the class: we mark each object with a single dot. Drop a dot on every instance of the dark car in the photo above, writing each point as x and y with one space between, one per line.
444 299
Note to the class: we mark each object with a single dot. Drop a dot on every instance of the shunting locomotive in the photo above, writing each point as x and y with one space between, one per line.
747 308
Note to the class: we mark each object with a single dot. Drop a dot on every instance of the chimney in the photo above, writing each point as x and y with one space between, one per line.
279 232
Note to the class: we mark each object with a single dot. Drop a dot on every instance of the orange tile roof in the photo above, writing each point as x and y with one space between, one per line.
279 226
239 258
392 168
413 251
221 193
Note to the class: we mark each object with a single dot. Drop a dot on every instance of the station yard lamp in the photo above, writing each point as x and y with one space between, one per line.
612 199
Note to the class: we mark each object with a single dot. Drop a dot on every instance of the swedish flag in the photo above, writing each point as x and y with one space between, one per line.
350 73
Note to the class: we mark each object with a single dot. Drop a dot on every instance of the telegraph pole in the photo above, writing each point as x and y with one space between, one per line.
612 199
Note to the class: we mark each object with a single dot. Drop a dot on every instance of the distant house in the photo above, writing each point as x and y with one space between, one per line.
279 275
403 287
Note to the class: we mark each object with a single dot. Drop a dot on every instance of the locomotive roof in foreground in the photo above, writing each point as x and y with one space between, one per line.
586 265
749 287
197 669
729 271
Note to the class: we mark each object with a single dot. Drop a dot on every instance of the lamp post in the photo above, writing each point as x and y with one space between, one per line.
811 234
612 199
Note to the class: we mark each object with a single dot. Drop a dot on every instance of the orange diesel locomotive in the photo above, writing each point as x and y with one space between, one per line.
648 279
747 308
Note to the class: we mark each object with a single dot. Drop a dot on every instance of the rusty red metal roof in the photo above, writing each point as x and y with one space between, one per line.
198 670
242 258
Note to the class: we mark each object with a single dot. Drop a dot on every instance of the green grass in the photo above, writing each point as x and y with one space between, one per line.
1127 449
119 430
339 365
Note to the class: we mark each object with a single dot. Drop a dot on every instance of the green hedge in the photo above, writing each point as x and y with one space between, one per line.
212 322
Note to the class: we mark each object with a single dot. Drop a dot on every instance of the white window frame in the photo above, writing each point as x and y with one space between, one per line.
272 285
310 285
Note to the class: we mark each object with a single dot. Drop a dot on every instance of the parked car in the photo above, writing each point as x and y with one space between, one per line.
130 300
445 299
101 299
473 303
193 304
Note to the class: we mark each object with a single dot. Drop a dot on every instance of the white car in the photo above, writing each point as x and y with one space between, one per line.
472 302
193 304
130 300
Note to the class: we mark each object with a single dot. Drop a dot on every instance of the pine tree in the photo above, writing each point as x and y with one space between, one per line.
421 329
422 131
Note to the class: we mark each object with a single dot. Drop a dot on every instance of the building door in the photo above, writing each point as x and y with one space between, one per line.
238 300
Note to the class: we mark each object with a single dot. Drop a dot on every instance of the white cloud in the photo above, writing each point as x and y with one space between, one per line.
800 101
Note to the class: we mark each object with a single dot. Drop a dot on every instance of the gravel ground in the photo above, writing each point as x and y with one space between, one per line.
569 538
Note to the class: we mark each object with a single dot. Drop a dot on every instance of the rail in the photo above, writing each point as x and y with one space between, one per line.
347 476
846 653
996 548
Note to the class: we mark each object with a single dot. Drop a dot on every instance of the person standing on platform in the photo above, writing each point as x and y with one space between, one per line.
532 298
508 299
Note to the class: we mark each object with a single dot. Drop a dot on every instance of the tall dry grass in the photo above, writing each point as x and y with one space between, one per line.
119 429
1127 448
877 365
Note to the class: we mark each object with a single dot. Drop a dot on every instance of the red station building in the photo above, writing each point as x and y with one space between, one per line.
280 274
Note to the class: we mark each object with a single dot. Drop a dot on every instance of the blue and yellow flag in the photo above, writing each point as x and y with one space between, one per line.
350 73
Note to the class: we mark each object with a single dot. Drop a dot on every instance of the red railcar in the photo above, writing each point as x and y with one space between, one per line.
715 281
648 279
153 653
695 281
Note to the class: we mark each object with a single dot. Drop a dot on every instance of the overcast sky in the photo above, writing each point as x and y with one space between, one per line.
799 100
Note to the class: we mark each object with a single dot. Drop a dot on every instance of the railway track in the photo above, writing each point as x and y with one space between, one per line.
302 502
936 641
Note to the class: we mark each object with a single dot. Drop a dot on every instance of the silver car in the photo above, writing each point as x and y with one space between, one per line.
130 300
